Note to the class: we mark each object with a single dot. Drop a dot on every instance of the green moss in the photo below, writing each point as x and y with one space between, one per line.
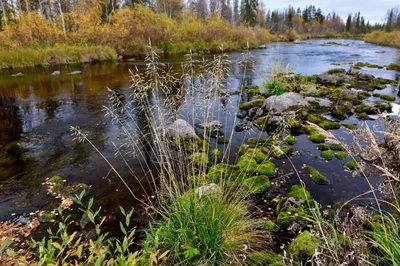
295 125
349 126
247 162
323 146
285 218
199 158
267 168
261 122
56 180
327 155
308 130
252 104
386 97
291 140
257 184
315 118
362 116
303 246
263 258
48 216
222 140
215 153
299 192
363 108
393 67
253 91
337 147
326 124
335 71
282 152
199 179
352 165
221 171
370 65
267 225
341 110
316 176
256 154
316 137
253 142
341 155
192 144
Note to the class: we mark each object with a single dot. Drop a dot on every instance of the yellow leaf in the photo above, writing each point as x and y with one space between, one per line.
163 255
57 246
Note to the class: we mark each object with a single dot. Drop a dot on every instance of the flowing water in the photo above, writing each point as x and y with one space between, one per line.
37 110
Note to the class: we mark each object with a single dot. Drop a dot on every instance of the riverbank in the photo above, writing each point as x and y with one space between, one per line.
384 38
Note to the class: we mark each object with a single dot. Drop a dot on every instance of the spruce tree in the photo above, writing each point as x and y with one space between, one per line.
348 23
248 12
389 22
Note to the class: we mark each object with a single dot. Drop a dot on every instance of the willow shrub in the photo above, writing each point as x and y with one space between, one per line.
384 38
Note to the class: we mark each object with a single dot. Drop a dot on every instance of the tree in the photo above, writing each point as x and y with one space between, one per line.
236 15
390 20
348 23
248 12
226 10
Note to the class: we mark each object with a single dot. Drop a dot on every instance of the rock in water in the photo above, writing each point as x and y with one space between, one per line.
18 75
321 102
336 80
278 104
365 76
56 73
213 125
76 73
181 128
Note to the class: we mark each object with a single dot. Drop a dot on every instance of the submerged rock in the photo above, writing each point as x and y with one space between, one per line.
365 76
181 128
18 75
213 125
278 104
56 73
76 73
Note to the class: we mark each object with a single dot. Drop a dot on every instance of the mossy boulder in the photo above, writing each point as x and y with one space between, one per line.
341 155
295 126
282 152
252 104
342 110
215 153
247 163
291 140
257 184
256 154
303 246
191 144
263 258
308 129
199 158
286 217
363 108
352 165
316 176
253 91
323 146
267 168
253 142
327 155
386 97
315 118
221 171
222 140
335 71
337 147
393 67
349 126
327 124
316 138
362 116
262 122
299 192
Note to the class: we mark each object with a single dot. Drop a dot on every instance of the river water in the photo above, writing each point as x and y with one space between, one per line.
37 110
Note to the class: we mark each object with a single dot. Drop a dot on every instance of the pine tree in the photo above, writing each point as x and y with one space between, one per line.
348 23
358 22
389 22
236 15
248 12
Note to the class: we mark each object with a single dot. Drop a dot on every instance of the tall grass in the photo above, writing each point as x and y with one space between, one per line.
384 38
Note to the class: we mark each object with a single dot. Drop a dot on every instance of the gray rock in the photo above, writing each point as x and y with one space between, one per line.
255 112
241 126
18 75
181 128
274 122
311 90
213 125
335 71
336 80
320 101
76 73
22 220
276 105
56 73
241 113
209 189
365 76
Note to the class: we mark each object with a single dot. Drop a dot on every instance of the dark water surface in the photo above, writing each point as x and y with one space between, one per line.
37 110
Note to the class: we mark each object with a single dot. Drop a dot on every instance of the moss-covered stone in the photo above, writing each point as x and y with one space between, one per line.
393 67
253 142
285 217
370 65
222 140
266 225
315 118
267 168
337 147
316 138
386 97
253 91
299 192
192 144
308 130
256 154
363 108
291 140
263 258
252 104
282 152
221 171
262 122
316 176
335 71
56 180
352 165
342 110
327 124
247 162
257 184
199 158
303 246
341 155
349 126
323 146
295 126
215 153
327 155
362 116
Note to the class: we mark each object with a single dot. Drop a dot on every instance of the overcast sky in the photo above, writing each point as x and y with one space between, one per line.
372 10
